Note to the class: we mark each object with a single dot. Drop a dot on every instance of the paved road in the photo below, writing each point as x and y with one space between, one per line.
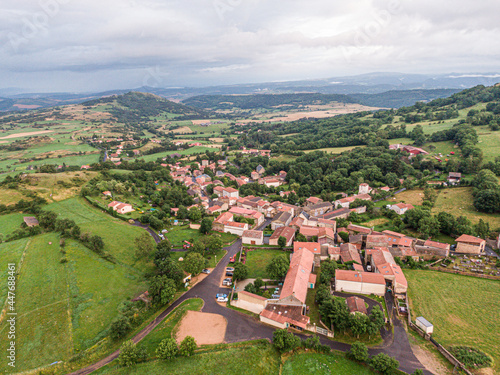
153 234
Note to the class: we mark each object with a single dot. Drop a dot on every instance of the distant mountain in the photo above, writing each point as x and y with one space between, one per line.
403 98
373 83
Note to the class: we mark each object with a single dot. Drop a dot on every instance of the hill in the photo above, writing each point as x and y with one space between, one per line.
402 98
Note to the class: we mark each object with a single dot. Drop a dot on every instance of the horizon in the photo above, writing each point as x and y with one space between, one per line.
64 46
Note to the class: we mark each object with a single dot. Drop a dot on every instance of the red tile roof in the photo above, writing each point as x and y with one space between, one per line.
356 304
365 277
285 314
297 278
286 232
313 247
470 239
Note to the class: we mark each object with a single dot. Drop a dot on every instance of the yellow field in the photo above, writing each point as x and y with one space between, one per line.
414 197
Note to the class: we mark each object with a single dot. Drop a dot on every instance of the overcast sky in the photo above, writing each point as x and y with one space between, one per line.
71 45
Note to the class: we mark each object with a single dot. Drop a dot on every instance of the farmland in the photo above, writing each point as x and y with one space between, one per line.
463 310
9 223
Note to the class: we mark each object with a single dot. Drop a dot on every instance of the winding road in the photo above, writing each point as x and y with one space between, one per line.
242 327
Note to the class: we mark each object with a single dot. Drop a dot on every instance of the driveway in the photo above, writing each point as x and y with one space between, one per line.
242 327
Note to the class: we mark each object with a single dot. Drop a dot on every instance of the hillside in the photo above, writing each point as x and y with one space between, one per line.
402 98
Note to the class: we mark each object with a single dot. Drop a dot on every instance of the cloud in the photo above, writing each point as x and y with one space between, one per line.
104 44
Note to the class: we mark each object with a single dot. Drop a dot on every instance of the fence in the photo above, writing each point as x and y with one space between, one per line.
322 331
464 273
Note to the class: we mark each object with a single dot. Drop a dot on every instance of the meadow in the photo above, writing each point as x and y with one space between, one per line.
463 309
319 364
459 201
9 223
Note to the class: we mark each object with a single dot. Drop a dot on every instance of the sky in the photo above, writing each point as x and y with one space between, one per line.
78 46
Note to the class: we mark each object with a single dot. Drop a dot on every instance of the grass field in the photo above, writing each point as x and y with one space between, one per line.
243 359
257 260
459 201
9 223
319 364
488 142
167 327
463 310
190 151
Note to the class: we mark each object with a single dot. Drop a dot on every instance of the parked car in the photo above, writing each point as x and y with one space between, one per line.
229 274
232 259
230 269
222 299
221 295
207 271
275 296
227 283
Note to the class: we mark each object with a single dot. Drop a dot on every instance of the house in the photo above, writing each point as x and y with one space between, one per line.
398 240
359 282
254 175
349 253
260 170
470 244
85 167
284 194
380 260
345 202
454 178
358 229
374 240
364 188
341 213
311 201
287 232
283 316
107 193
218 224
272 182
401 208
318 208
121 208
30 221
325 223
323 235
356 305
282 219
234 227
256 216
253 237
333 252
227 192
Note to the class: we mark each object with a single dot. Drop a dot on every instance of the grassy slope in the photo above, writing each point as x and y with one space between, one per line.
260 359
9 223
463 310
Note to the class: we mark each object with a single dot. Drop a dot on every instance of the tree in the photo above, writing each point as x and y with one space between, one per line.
384 363
344 236
130 354
194 214
482 229
240 271
328 268
161 289
358 323
359 352
47 220
278 267
487 201
96 244
285 341
119 327
258 283
144 245
163 248
194 263
182 213
377 317
187 346
282 242
418 372
167 349
170 268
206 225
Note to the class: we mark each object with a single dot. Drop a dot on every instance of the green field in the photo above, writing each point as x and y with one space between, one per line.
9 223
319 364
334 150
257 260
459 201
464 310
64 308
489 142
252 358
190 151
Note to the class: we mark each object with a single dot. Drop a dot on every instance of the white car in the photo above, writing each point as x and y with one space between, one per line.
222 299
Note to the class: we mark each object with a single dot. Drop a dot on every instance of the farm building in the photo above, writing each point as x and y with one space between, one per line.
356 305
401 208
121 208
359 282
30 221
251 302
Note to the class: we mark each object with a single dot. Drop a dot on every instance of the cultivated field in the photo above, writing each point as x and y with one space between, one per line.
463 310
459 201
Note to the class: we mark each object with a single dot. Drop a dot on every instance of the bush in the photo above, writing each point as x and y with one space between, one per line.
187 346
358 352
167 349
384 363
470 357
285 341
130 354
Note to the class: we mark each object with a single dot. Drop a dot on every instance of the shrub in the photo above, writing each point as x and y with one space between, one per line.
470 357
